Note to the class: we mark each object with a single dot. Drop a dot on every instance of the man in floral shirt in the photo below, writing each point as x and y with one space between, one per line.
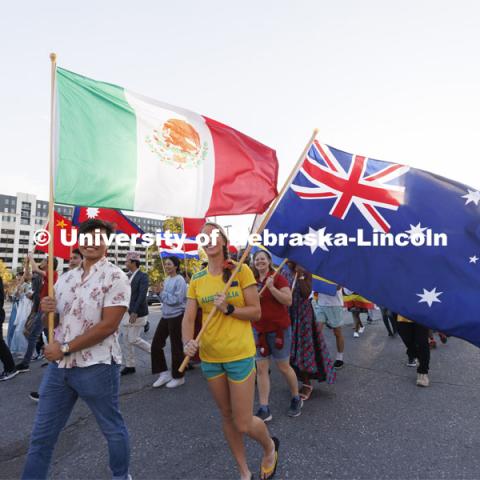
90 302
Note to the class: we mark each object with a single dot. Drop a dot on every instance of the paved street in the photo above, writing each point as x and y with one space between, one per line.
374 423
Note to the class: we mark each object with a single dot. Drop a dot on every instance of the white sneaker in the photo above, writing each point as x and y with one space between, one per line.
176 382
164 378
356 335
361 329
422 380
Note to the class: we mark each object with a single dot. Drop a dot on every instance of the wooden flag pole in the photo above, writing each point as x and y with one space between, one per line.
285 260
163 266
51 315
246 252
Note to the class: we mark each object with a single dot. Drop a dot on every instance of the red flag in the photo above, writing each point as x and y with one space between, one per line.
60 250
119 221
193 226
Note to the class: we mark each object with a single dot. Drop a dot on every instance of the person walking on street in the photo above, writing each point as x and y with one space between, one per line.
85 357
329 311
173 298
415 338
36 330
227 349
273 335
135 319
9 370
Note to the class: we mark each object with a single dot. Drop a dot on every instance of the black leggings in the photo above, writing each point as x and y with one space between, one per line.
415 338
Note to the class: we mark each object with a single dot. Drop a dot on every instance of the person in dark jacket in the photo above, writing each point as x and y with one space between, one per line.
136 318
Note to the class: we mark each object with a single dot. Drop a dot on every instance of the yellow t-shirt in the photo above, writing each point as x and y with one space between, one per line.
226 339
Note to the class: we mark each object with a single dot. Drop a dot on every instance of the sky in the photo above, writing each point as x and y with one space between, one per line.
397 81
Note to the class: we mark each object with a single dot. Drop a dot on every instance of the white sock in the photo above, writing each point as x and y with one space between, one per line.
340 356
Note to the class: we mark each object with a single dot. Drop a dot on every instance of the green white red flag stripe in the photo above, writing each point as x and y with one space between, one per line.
117 149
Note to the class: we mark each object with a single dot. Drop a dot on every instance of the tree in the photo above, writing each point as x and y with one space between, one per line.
173 224
6 275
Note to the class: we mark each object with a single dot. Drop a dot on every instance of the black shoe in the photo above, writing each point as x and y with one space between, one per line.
22 367
146 328
127 371
295 409
338 364
34 396
264 414
8 375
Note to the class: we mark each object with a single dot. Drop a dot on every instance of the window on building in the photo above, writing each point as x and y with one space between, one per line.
25 221
8 240
23 250
7 231
6 250
22 241
24 232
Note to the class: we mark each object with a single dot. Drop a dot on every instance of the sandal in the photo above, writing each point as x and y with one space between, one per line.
268 473
305 392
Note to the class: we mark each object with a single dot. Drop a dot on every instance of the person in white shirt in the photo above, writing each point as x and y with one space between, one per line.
329 311
85 357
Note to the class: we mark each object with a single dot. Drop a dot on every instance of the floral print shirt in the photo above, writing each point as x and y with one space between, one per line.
80 304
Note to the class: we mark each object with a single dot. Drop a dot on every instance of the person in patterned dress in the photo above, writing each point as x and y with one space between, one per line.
309 353
85 357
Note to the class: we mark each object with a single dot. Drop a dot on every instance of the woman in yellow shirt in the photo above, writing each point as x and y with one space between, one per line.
227 348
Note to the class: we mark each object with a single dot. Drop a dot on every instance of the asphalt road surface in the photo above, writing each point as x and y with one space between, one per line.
374 423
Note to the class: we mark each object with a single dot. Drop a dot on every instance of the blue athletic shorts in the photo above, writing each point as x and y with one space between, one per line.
331 316
237 371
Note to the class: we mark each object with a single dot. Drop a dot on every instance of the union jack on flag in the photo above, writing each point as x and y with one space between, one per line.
367 184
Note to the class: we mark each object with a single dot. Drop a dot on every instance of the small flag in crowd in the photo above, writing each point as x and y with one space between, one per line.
336 194
59 249
117 149
119 221
173 248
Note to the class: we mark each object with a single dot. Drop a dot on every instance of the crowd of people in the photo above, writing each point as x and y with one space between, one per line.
266 316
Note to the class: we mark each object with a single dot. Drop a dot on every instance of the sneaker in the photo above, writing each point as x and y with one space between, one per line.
369 319
21 368
338 364
361 329
38 356
411 362
422 380
264 414
295 409
34 396
356 334
8 375
127 371
164 378
175 382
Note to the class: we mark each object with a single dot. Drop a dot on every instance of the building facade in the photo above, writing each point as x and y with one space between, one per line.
23 214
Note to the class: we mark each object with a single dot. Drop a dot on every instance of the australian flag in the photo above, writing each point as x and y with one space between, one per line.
375 226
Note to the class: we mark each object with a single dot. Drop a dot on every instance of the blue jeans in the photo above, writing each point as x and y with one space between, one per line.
33 337
98 386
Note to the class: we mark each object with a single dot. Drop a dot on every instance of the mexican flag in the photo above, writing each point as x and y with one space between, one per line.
118 149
